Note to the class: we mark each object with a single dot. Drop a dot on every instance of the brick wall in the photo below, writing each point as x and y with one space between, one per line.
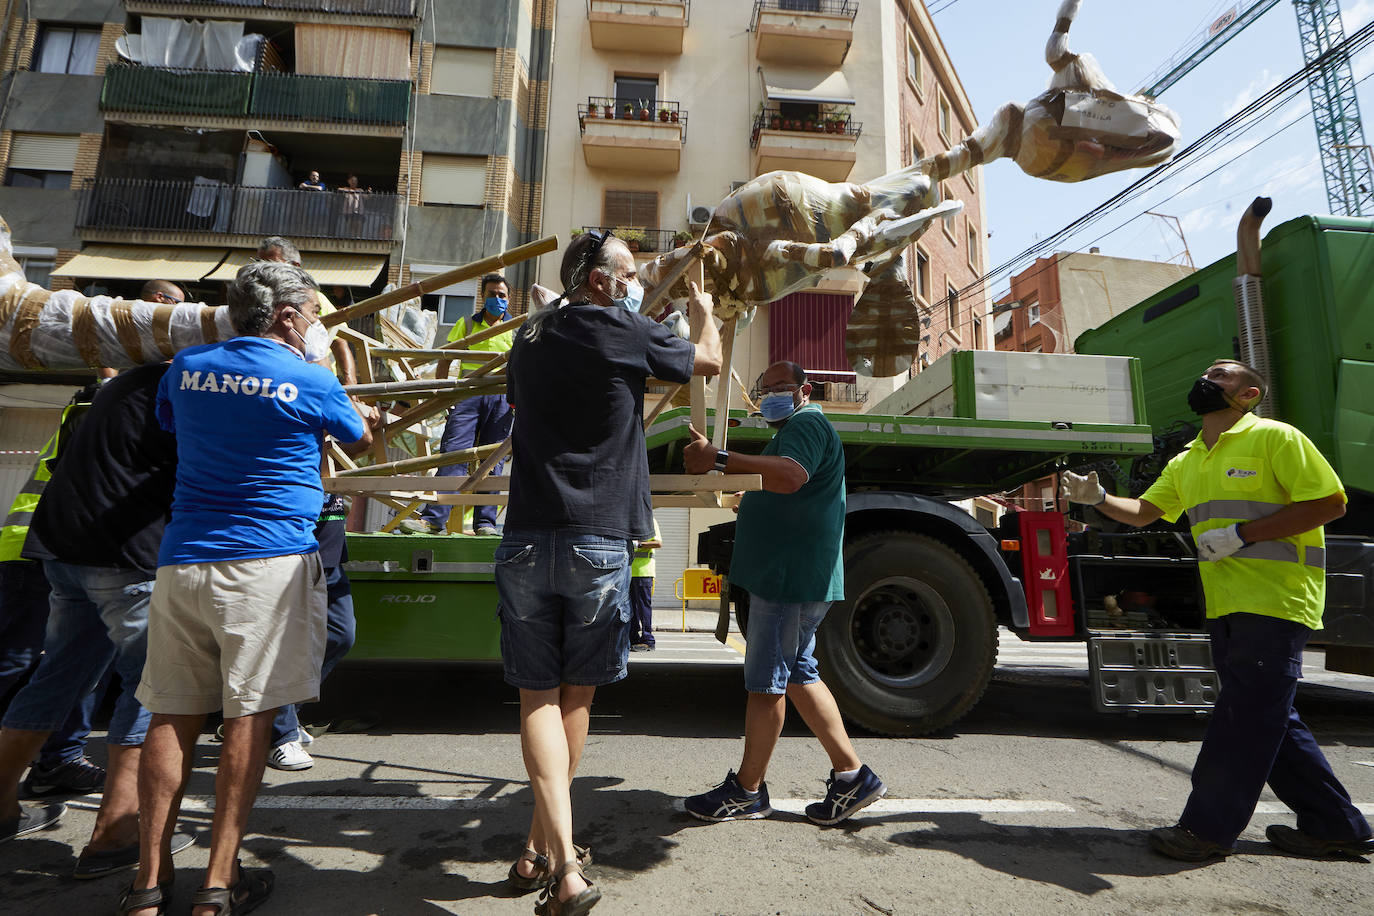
106 54
87 158
426 66
63 256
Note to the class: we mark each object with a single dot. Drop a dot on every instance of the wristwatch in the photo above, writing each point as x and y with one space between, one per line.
722 456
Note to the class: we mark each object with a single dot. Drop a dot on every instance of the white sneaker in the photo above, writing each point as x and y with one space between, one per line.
289 756
304 737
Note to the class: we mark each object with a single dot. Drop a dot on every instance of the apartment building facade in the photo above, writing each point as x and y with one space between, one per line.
162 139
661 108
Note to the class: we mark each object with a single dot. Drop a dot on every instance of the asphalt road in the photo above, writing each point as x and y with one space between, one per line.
1032 804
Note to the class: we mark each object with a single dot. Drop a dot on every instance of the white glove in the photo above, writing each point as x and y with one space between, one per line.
1078 488
1219 543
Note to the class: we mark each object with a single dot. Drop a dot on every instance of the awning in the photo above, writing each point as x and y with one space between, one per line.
799 84
327 269
126 262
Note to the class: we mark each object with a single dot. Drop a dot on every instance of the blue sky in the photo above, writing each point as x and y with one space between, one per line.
1131 40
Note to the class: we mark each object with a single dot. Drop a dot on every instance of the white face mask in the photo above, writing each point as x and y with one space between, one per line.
315 340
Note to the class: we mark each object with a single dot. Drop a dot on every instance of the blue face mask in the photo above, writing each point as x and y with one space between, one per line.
634 295
496 306
775 407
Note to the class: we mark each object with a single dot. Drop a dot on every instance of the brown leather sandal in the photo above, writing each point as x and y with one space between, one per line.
157 897
532 882
578 904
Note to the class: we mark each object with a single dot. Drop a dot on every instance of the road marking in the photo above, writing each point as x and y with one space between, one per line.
735 643
939 806
205 803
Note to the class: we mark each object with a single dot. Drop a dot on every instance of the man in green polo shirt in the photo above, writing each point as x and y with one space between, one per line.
1257 493
788 545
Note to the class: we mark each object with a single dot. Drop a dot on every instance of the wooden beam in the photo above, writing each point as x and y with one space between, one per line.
439 281
460 386
484 469
662 403
727 355
400 483
442 459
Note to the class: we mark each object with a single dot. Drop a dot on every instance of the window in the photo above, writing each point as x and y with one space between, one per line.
453 303
462 71
922 275
37 263
41 160
973 246
946 120
458 181
952 307
638 209
977 333
637 92
66 50
917 151
913 63
949 219
1032 313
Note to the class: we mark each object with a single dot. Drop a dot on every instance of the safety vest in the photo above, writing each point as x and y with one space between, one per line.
501 343
1256 468
16 528
642 565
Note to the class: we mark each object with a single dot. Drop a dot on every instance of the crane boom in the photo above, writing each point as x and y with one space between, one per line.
1227 26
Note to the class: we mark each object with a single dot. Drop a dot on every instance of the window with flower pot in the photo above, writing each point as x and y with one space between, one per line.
630 213
636 96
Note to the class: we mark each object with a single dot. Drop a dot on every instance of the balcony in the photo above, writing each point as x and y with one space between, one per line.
647 26
281 10
632 139
822 146
803 32
643 241
269 95
115 206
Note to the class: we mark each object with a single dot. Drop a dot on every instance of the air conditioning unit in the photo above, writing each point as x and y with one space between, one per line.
736 185
698 216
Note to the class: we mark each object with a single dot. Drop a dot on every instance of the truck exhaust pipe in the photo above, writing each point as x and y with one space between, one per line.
1253 337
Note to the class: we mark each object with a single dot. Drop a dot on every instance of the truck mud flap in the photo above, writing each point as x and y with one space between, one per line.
1151 672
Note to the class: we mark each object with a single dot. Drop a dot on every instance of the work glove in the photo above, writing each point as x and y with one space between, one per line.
1080 488
1219 543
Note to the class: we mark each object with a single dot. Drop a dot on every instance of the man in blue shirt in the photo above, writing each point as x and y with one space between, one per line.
237 620
788 557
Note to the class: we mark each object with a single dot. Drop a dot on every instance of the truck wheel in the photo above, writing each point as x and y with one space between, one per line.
912 647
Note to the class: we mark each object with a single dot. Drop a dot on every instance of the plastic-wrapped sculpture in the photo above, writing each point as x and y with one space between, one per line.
783 231
40 329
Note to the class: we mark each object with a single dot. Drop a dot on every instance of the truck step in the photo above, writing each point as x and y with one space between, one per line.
1151 671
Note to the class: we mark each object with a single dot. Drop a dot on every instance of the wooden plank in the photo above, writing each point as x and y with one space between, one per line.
727 351
462 456
697 386
663 402
412 483
439 281
490 331
484 469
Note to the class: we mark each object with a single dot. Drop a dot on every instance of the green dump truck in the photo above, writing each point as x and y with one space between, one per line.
913 645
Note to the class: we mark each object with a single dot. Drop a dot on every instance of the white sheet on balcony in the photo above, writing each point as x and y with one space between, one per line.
191 44
338 50
800 84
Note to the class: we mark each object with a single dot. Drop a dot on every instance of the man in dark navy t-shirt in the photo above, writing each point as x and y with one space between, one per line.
237 620
579 499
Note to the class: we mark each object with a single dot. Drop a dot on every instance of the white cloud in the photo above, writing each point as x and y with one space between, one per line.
1356 15
1259 86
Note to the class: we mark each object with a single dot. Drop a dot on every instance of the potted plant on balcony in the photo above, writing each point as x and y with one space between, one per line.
682 237
663 115
576 232
644 113
608 110
774 121
633 238
673 116
629 110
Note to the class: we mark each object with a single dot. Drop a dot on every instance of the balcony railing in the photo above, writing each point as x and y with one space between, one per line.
833 123
405 9
225 209
848 8
651 241
269 94
608 109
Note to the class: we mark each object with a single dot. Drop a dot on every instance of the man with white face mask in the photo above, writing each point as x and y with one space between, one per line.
237 619
787 556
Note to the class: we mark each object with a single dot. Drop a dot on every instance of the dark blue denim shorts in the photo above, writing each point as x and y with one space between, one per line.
564 603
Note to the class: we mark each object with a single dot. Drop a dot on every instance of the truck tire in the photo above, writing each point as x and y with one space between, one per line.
912 647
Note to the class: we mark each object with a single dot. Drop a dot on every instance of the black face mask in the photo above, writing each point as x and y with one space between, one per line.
1207 397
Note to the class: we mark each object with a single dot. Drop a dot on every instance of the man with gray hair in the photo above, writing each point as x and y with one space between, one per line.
237 620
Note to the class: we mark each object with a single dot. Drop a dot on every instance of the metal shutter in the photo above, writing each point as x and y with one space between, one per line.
638 209
462 71
45 152
670 559
453 180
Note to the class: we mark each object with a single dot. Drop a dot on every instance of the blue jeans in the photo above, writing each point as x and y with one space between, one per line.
564 608
340 634
98 615
23 620
1255 736
476 421
642 611
780 647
